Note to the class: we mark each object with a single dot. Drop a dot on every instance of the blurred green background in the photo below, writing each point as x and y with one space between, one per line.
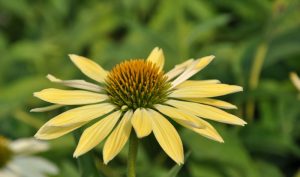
256 44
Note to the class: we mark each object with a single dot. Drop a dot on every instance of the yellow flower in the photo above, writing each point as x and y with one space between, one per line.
137 94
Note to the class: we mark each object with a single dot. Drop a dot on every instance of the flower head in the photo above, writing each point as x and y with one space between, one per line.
16 159
137 94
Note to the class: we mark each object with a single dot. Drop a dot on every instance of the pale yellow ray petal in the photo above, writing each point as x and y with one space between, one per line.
178 69
212 102
157 57
209 90
209 131
89 68
69 97
93 135
295 79
167 137
141 122
207 112
47 132
175 113
46 108
193 83
81 114
195 67
118 138
80 84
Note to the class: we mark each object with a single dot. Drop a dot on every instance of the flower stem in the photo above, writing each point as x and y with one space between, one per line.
255 75
132 154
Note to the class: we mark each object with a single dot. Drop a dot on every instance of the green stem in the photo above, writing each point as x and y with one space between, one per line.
255 75
132 154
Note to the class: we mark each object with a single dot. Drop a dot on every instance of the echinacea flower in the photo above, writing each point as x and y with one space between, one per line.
137 93
16 159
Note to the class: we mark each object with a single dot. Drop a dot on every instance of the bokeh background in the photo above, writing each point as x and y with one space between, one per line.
256 44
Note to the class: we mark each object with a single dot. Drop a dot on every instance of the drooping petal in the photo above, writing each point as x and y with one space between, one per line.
25 146
178 69
175 113
141 122
89 68
295 79
209 90
80 84
46 108
93 135
157 57
209 131
193 83
194 67
118 138
48 132
212 102
167 137
69 97
81 114
207 112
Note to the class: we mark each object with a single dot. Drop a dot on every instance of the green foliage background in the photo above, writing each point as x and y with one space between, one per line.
256 44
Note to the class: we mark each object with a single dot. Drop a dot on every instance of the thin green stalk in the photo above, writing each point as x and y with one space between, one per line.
255 75
261 55
132 154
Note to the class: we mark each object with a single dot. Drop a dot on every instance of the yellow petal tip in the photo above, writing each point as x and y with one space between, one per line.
234 107
76 155
241 122
105 161
35 94
73 57
37 136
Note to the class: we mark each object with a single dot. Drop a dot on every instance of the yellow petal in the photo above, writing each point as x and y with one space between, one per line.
212 102
175 113
193 83
118 138
208 132
157 57
80 84
47 132
194 67
178 69
46 108
89 68
295 79
69 97
167 137
81 114
207 112
141 122
93 135
209 90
